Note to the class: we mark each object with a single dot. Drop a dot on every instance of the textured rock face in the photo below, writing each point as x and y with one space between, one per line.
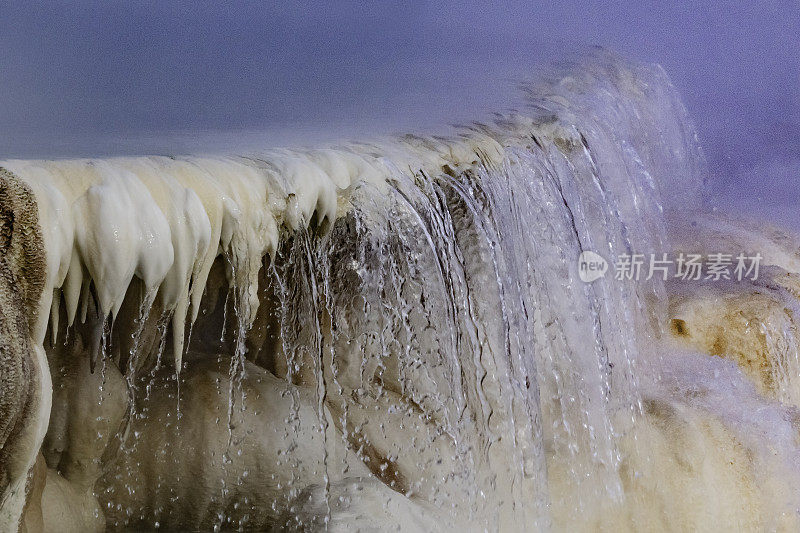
24 380
755 329
751 322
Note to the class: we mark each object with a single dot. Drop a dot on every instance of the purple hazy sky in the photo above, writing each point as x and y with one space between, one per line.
79 77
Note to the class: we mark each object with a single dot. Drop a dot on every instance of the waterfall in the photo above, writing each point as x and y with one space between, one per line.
397 333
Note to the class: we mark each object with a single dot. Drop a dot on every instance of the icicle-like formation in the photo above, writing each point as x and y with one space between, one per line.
373 332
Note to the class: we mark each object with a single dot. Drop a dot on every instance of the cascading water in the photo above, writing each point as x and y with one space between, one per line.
397 334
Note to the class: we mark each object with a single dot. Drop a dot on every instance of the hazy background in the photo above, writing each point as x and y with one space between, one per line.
96 78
